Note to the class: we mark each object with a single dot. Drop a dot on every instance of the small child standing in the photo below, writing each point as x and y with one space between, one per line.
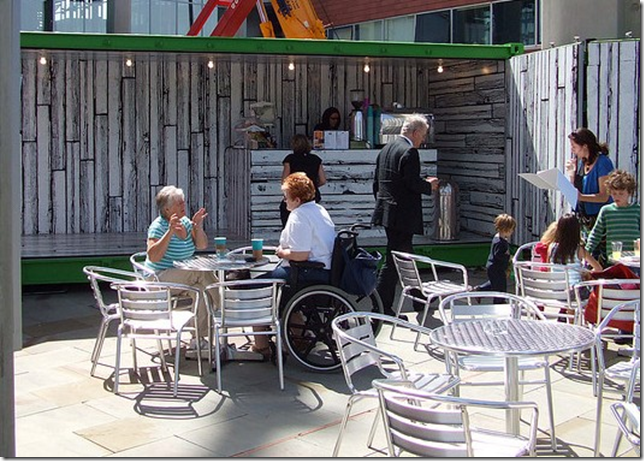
618 221
499 259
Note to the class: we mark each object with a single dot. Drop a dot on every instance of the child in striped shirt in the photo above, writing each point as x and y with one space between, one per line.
618 221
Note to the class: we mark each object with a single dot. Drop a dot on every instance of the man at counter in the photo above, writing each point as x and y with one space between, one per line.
397 188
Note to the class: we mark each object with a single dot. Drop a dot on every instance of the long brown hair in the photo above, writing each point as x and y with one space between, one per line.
585 137
567 238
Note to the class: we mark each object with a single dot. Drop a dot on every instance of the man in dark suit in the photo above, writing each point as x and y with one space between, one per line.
397 188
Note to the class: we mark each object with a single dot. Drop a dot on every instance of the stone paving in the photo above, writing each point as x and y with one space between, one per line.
63 412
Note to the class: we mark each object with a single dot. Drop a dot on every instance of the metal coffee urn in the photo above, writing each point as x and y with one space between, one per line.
356 118
446 223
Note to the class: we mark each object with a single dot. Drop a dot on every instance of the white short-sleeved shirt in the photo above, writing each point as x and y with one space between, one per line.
310 228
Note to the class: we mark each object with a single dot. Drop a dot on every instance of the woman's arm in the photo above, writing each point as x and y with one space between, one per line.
286 170
586 256
292 255
198 234
321 176
601 196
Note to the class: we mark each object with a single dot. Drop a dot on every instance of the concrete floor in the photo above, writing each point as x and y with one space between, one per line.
63 412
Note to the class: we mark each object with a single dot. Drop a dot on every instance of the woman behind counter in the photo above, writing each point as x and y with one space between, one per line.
331 120
302 160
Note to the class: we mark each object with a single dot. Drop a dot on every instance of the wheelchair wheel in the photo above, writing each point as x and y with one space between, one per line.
371 303
307 326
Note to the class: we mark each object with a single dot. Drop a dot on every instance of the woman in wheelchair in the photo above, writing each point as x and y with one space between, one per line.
308 236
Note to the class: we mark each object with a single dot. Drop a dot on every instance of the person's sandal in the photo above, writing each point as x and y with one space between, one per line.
265 351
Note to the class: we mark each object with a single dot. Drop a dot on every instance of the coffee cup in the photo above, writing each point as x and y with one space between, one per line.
220 246
258 248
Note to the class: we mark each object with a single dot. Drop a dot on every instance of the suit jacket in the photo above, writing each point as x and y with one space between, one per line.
397 187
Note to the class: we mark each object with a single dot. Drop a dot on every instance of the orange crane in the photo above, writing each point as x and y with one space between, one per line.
297 18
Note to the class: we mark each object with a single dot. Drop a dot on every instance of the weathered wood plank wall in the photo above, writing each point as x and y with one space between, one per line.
545 105
100 138
542 110
468 103
613 102
348 194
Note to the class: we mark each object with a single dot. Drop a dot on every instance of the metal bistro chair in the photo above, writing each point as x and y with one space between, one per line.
462 307
519 254
146 312
628 415
437 426
620 371
245 303
360 354
425 292
138 265
98 278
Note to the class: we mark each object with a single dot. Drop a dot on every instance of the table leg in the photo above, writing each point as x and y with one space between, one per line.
512 417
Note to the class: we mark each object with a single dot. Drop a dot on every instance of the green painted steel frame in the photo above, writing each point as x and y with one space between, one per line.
263 46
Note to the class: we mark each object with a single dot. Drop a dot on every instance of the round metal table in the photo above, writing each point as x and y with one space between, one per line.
512 339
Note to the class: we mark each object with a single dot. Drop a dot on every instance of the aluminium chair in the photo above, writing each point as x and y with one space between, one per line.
361 355
620 371
463 307
550 287
245 303
146 312
137 260
435 426
425 292
99 278
628 415
519 255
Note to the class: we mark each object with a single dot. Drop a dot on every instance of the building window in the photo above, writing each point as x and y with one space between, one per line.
369 31
340 33
514 21
433 27
472 25
400 29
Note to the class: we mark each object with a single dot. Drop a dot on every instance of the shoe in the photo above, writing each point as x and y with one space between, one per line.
191 352
621 341
265 351
391 313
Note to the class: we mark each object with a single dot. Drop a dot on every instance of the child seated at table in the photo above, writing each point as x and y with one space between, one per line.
618 221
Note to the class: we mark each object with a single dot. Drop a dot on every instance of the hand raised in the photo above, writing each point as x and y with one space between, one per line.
199 216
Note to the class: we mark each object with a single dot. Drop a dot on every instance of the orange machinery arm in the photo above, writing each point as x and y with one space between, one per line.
297 18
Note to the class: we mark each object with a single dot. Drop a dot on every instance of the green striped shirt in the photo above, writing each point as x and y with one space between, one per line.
618 224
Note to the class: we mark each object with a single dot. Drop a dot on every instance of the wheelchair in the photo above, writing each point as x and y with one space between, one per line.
309 309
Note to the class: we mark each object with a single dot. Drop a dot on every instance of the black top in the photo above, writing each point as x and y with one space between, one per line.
499 257
308 164
398 186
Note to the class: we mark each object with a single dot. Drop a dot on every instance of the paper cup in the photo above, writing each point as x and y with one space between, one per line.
258 248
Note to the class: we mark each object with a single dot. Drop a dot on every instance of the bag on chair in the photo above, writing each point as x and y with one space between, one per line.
353 269
618 271
360 274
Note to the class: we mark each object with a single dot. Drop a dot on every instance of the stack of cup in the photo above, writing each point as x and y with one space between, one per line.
258 248
220 246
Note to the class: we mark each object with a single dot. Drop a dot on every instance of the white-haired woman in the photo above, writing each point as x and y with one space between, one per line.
173 236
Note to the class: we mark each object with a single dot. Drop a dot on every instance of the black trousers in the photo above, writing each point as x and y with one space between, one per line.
388 277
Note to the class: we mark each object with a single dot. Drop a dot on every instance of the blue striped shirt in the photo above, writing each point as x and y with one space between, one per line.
178 248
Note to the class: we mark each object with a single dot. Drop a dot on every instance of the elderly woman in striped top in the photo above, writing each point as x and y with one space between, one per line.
173 236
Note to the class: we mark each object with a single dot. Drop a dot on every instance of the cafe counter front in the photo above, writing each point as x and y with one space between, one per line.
253 194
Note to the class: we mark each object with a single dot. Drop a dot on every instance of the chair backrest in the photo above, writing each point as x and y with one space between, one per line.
415 423
138 265
359 351
407 270
519 255
609 293
99 277
145 302
548 285
245 302
626 311
465 306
